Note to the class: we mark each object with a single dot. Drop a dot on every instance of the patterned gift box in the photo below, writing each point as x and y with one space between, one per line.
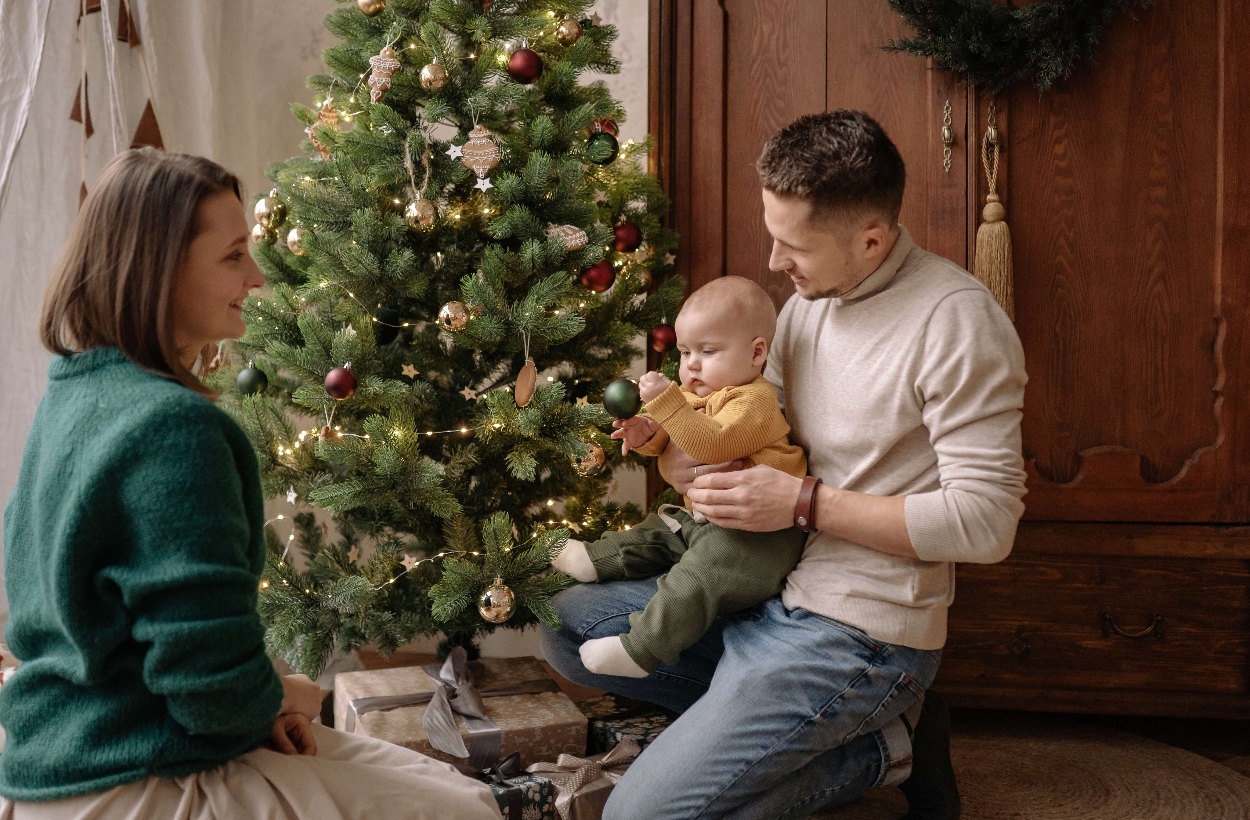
537 798
540 726
614 718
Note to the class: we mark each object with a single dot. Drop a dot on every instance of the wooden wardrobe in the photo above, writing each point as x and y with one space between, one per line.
1127 190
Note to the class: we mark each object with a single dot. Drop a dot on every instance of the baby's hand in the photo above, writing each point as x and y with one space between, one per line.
652 384
634 432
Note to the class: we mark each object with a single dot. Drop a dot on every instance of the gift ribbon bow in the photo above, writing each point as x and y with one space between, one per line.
453 695
586 771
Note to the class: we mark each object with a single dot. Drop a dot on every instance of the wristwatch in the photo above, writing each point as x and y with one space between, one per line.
805 507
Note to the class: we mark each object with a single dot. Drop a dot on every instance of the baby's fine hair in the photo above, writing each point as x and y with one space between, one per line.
739 298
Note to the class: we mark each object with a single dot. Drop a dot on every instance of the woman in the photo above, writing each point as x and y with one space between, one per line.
133 549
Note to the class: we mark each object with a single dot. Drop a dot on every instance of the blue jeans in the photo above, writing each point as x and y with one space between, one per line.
783 712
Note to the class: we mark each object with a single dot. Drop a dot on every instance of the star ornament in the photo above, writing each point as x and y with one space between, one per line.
410 371
291 496
583 401
353 554
455 151
410 562
483 184
469 394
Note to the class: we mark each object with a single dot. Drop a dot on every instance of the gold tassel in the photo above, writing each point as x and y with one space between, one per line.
993 257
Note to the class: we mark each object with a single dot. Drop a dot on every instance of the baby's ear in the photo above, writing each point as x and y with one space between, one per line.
759 351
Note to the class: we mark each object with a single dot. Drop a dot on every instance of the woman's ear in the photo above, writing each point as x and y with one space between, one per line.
759 352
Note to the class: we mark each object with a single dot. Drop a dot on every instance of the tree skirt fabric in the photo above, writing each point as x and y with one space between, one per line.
1044 768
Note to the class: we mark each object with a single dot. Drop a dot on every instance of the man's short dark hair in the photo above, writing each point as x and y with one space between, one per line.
840 161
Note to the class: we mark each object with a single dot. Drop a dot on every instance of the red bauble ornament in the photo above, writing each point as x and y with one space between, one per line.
598 277
628 237
525 66
663 338
603 124
341 382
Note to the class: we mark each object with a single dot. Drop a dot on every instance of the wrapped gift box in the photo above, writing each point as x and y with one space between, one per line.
614 718
541 726
526 797
583 785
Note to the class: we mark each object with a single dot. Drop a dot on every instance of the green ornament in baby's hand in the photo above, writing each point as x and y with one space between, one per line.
621 399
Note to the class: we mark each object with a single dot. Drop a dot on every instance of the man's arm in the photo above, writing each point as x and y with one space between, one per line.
762 499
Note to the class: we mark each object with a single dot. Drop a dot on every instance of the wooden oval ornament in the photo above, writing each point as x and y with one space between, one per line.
525 382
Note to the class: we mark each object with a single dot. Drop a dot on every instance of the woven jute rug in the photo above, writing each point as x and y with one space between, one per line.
1040 768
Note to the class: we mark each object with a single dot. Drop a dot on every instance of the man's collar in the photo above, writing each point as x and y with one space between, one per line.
878 279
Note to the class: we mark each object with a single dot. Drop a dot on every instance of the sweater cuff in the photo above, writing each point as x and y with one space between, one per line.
930 532
605 557
638 653
663 406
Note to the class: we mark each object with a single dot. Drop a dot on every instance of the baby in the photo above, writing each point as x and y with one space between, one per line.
723 410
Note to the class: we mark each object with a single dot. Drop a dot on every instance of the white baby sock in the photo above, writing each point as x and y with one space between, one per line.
607 656
574 560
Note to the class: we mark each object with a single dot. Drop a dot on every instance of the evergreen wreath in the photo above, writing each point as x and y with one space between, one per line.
994 46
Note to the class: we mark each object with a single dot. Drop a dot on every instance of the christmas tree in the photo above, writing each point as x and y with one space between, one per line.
459 265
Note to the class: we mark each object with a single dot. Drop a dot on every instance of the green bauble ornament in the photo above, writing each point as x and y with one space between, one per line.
602 148
252 380
621 399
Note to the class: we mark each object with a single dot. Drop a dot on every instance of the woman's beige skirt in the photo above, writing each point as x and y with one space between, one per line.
352 777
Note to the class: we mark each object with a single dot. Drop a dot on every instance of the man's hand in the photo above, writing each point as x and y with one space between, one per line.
680 470
634 432
292 735
652 384
301 696
760 499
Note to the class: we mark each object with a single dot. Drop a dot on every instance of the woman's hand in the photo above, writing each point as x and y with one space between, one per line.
634 432
300 696
680 470
760 499
292 735
652 384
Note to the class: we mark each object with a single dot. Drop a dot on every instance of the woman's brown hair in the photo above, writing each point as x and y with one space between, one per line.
114 283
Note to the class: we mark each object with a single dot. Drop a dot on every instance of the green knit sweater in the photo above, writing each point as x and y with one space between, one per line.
133 550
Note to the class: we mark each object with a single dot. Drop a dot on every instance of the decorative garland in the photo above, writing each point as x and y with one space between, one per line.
994 46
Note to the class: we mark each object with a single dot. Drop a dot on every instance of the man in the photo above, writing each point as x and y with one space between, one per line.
903 380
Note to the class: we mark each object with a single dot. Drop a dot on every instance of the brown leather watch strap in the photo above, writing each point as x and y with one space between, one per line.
805 507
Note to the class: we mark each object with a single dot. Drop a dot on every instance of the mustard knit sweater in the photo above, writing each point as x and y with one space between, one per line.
743 422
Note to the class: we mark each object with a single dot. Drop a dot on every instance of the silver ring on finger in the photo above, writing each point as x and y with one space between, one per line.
696 471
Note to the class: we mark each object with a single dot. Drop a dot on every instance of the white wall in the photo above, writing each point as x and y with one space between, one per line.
224 74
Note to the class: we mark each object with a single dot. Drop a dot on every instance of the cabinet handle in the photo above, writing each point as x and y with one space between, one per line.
948 137
1155 627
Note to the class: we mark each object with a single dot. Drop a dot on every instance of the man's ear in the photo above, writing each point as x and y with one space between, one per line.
759 352
871 240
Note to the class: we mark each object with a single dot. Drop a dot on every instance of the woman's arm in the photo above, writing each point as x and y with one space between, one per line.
190 571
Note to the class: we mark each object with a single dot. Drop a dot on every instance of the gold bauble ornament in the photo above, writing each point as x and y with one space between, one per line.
433 77
293 240
382 65
643 276
480 154
497 603
525 382
371 8
261 234
263 210
420 213
568 32
453 317
593 461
